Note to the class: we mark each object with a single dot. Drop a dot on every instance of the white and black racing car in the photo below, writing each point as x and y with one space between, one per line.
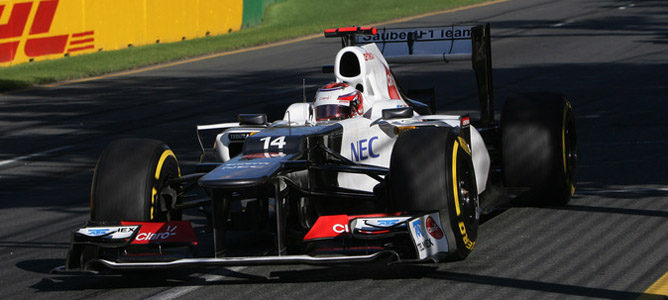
361 173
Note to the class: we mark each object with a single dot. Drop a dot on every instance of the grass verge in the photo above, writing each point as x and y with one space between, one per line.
285 20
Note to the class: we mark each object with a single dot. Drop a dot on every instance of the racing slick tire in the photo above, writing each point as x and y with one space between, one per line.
130 182
431 170
539 147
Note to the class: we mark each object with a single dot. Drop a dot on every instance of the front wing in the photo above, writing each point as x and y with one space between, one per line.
158 245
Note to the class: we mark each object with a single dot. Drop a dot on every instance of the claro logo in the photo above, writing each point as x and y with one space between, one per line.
338 228
37 41
150 236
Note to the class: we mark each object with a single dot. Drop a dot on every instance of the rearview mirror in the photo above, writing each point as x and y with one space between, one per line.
397 113
252 119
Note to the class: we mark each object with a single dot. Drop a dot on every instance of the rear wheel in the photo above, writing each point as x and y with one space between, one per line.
130 182
539 147
431 170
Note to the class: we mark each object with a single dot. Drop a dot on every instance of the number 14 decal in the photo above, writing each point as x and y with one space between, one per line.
276 142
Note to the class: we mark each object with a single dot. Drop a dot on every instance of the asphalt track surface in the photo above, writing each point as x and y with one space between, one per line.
609 57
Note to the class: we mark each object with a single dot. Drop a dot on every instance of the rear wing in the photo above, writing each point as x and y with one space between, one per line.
426 44
433 44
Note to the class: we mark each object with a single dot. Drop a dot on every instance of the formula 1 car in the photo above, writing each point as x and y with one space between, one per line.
368 175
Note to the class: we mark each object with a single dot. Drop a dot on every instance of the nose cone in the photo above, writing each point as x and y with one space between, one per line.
240 172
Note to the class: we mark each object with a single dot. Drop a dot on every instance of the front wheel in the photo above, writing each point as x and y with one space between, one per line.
131 182
431 169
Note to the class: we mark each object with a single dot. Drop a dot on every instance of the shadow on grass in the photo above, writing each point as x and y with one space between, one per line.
8 85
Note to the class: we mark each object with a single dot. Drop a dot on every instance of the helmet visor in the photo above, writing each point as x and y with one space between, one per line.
331 112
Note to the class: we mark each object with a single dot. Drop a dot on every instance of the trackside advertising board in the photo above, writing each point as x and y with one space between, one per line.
46 29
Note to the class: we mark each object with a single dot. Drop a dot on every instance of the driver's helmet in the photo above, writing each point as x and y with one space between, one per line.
337 101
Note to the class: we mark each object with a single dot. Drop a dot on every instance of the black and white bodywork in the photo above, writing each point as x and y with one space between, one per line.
390 181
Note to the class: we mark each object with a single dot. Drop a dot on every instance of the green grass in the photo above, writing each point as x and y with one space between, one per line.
285 20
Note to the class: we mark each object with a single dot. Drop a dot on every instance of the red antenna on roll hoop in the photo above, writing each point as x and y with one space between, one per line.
348 34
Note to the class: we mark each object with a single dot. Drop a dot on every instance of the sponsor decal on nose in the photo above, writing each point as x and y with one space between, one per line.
164 232
433 228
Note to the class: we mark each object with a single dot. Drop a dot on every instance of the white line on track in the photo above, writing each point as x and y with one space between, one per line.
560 24
177 292
626 6
29 156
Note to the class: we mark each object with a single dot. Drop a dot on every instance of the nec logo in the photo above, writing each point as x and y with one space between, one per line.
363 149
38 42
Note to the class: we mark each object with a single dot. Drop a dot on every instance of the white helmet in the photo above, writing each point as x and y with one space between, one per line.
337 101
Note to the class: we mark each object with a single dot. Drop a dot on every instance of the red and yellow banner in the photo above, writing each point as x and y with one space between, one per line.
47 29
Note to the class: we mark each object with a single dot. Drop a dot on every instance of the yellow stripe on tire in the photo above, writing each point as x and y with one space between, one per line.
563 148
158 169
563 139
161 161
454 177
455 188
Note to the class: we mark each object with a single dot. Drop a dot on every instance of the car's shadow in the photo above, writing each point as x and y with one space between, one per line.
456 272
379 271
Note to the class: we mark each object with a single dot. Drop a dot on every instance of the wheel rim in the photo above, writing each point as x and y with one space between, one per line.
165 194
570 150
468 204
